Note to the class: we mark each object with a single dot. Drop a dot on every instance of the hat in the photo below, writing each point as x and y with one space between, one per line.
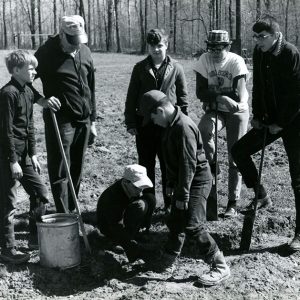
73 27
218 37
137 175
149 102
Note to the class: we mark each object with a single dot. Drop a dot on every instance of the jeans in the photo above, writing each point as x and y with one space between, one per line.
252 142
74 138
148 143
32 184
190 223
236 126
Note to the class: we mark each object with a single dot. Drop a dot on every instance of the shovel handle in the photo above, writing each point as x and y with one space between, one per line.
86 242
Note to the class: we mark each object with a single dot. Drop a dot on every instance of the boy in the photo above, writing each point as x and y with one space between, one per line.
221 78
18 160
189 181
275 105
160 72
123 209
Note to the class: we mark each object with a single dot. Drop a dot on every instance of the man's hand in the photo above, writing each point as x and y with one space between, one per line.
93 134
132 131
230 104
274 129
182 205
35 164
53 103
16 170
256 124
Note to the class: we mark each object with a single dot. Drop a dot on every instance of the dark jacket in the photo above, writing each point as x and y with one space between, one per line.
184 156
276 84
69 79
143 80
16 121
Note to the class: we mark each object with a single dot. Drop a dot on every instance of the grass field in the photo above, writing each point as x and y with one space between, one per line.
266 272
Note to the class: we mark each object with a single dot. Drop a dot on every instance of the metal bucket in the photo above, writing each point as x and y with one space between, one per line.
58 236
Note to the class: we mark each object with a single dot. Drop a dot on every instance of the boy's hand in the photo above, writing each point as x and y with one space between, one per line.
230 104
182 205
16 170
35 164
93 134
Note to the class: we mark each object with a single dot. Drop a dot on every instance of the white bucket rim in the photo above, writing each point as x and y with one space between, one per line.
52 220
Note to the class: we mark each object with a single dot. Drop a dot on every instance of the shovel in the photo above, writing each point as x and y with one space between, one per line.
251 214
212 201
86 242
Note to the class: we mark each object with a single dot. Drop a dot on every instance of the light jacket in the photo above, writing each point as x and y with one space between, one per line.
143 80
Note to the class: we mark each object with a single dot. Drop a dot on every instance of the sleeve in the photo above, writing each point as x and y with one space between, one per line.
31 136
91 83
187 161
8 101
132 99
181 90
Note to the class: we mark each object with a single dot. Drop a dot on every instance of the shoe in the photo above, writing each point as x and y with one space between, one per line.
230 212
219 271
265 202
33 243
295 243
14 256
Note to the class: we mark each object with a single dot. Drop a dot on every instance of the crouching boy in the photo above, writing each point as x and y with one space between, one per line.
123 209
18 160
189 182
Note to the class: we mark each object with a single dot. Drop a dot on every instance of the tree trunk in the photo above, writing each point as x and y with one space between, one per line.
40 22
119 50
146 18
258 9
175 26
4 23
238 28
171 20
286 23
32 26
143 44
110 11
230 18
99 25
88 25
54 17
156 12
129 24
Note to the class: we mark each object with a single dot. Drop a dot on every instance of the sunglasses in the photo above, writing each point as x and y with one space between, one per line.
215 50
260 37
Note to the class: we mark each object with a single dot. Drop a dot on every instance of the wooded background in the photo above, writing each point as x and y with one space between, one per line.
121 25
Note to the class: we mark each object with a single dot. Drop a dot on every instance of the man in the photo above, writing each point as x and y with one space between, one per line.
221 80
67 73
160 72
123 209
189 179
275 104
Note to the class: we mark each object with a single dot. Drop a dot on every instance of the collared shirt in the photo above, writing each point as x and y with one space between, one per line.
160 72
16 120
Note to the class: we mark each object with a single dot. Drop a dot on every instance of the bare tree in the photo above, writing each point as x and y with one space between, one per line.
129 23
39 21
4 23
54 16
286 23
156 12
110 11
258 9
238 27
116 2
175 26
143 41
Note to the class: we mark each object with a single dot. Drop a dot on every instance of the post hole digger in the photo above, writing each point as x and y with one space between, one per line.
250 214
86 242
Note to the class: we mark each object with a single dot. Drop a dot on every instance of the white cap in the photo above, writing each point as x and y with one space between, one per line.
137 175
73 27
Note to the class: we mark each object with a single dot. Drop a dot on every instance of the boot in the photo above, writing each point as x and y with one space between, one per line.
219 271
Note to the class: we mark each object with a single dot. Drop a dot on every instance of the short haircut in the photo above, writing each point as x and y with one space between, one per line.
155 36
267 23
20 58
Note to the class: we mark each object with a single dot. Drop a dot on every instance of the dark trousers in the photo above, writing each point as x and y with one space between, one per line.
190 223
36 190
124 231
252 143
74 138
148 144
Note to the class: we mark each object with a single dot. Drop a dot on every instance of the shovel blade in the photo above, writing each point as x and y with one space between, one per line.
247 231
212 205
